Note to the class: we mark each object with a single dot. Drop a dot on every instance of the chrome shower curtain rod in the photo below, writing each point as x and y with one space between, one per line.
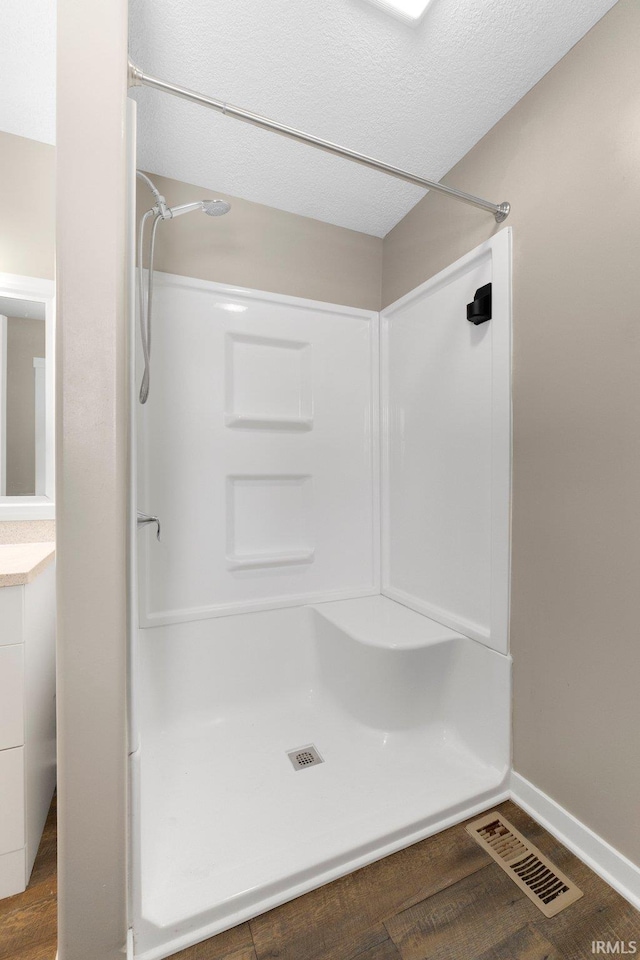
138 78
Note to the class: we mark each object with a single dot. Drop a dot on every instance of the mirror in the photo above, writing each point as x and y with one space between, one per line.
22 376
26 398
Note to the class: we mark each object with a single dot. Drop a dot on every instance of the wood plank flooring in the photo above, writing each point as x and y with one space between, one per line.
28 921
441 899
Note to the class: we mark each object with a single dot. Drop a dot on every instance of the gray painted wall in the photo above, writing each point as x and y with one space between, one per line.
91 494
27 202
568 158
27 247
266 249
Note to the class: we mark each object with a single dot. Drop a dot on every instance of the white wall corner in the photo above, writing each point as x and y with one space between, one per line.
611 865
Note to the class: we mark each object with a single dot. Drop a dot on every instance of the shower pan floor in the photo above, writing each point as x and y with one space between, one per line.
229 822
229 828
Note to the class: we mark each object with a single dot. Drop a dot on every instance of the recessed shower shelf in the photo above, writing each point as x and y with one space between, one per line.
270 559
239 421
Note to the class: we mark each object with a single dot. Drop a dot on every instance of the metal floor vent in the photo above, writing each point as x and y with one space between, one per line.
542 882
304 757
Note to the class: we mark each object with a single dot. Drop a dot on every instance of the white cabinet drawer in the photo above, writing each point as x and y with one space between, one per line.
13 876
11 603
12 800
11 696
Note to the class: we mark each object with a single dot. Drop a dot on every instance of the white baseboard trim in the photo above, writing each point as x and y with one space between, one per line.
614 868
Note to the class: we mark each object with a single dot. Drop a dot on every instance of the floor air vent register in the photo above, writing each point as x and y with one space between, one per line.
542 882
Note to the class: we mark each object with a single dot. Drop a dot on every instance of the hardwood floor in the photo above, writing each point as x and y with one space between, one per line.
441 899
28 921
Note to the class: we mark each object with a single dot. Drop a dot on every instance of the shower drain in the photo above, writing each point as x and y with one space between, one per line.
304 757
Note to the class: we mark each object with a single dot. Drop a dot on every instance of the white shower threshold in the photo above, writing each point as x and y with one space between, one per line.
412 729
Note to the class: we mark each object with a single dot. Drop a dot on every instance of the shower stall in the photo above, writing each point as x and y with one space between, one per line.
320 672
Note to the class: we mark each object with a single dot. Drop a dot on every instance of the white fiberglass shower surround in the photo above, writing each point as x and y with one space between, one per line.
331 584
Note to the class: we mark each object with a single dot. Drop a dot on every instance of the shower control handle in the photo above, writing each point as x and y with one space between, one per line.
144 518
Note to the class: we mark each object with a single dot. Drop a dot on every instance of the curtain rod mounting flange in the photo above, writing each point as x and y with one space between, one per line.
134 74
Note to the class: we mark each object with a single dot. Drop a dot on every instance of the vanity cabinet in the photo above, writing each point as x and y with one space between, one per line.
27 708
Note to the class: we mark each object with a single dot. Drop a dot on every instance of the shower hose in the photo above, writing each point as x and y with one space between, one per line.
146 299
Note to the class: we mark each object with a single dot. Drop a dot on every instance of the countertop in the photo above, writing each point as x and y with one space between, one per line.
22 562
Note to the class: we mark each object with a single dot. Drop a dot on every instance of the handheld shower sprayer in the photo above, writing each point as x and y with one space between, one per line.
212 208
160 211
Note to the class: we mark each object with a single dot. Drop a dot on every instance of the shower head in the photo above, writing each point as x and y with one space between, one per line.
216 208
213 208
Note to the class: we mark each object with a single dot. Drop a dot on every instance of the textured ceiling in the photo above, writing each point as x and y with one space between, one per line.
28 68
418 97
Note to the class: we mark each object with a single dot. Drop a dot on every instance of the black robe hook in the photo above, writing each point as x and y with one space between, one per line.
479 311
